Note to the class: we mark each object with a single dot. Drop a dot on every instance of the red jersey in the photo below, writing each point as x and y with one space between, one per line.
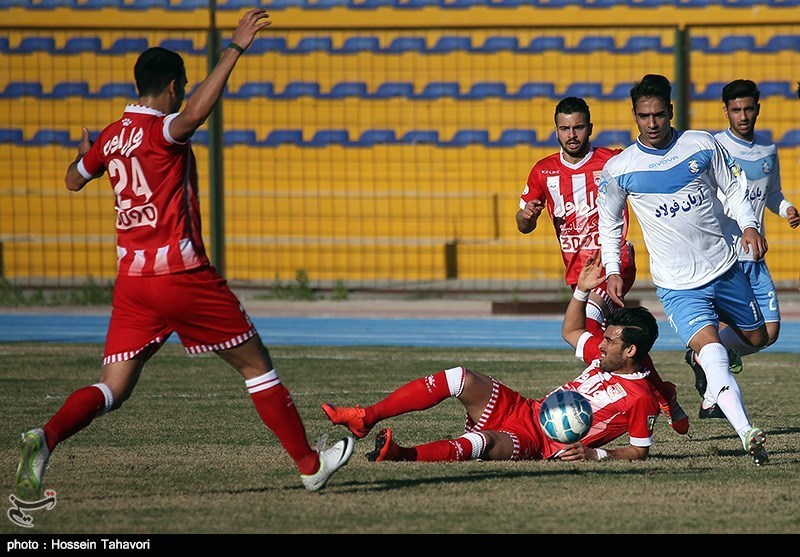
570 193
154 180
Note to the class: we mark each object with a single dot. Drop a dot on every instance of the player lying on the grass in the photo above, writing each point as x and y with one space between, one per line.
503 425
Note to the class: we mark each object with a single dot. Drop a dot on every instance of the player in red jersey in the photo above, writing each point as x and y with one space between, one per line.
566 183
165 282
503 425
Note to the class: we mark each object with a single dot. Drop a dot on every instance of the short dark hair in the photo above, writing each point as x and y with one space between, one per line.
639 328
652 85
739 89
155 69
570 105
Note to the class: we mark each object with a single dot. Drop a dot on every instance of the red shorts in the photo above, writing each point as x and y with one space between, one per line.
196 304
511 413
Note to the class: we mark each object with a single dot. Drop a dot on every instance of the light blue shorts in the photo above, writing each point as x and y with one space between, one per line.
764 289
728 298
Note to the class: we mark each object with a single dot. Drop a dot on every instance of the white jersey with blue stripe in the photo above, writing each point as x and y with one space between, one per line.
673 192
758 160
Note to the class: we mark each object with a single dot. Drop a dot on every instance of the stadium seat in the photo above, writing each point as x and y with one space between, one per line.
280 137
543 44
347 89
510 138
713 91
376 137
147 5
69 89
585 90
637 44
532 90
438 89
735 43
407 44
361 44
620 91
114 90
200 137
609 138
186 46
239 137
129 45
325 4
267 44
47 137
418 3
452 44
262 89
482 90
299 89
779 43
551 141
34 44
11 135
776 89
467 137
17 89
394 89
499 44
311 44
76 45
790 139
323 138
595 44
416 137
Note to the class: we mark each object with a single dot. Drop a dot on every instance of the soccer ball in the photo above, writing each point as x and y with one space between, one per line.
566 416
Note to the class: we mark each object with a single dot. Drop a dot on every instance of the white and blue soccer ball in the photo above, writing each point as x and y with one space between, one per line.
566 416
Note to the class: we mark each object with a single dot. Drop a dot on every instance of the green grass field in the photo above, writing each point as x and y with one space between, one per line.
188 453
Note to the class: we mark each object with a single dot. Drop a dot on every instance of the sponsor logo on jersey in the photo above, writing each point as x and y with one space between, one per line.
552 182
663 161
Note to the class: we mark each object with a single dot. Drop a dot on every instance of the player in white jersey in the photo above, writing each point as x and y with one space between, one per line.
757 158
671 179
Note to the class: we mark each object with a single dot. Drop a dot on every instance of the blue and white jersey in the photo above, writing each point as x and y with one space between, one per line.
761 171
673 192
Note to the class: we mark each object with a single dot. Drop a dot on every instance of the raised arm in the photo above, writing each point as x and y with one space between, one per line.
590 277
208 93
74 180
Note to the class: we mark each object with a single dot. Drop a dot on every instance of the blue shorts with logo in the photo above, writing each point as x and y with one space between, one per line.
728 298
764 289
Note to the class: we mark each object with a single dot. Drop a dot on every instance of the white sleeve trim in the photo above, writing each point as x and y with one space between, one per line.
641 441
581 343
167 120
82 170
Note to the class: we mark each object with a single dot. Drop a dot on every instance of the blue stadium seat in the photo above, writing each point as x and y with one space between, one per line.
252 90
34 44
76 45
467 137
186 46
585 90
782 42
418 3
394 89
376 137
325 4
323 138
11 135
551 141
127 45
48 137
609 138
499 44
17 89
239 137
484 89
280 137
97 4
5 46
200 137
452 44
543 44
370 4
348 89
776 89
701 44
114 90
535 89
69 89
407 44
267 44
735 43
438 89
636 44
620 91
148 4
510 138
415 137
593 43
299 89
713 91
312 44
361 44
790 139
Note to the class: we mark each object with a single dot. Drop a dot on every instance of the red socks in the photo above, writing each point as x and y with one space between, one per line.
419 394
77 412
447 450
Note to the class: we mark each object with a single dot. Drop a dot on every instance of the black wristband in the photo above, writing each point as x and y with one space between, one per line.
236 47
